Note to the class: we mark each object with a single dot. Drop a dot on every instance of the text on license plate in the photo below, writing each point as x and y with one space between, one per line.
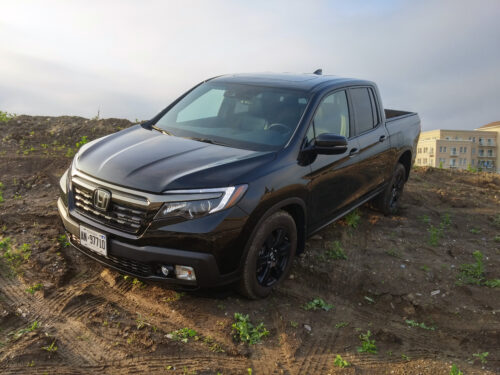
93 240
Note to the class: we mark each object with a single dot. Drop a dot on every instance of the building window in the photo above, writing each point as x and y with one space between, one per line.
444 149
481 152
432 150
453 162
425 161
490 142
473 150
465 149
480 141
461 149
453 150
418 161
425 150
490 152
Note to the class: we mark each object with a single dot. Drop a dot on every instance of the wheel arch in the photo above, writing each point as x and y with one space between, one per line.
406 158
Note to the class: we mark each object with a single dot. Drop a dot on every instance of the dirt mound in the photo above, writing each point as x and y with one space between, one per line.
403 278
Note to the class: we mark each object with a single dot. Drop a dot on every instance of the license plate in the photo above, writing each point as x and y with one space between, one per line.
93 240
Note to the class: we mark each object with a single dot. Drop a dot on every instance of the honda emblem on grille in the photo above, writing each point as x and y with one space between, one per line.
102 198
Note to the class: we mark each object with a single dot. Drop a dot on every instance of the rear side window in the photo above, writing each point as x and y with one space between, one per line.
364 109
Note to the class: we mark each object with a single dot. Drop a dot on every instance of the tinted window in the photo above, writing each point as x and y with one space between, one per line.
332 115
362 109
374 108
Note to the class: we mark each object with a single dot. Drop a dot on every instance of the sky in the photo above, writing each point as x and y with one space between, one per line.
130 59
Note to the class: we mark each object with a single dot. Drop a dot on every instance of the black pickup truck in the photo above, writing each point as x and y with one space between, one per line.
226 183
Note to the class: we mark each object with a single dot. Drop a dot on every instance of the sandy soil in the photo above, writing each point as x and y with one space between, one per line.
97 321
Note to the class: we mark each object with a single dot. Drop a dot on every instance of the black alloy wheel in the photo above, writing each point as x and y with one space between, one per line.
273 257
268 255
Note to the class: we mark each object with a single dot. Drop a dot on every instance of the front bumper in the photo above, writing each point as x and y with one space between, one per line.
145 261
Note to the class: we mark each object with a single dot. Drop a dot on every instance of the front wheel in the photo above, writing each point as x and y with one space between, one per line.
388 200
269 256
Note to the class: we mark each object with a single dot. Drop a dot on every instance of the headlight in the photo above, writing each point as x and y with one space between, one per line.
192 204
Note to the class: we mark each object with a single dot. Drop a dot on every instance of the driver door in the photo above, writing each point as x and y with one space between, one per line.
334 179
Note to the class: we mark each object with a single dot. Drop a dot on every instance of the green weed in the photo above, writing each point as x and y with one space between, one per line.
51 348
16 335
294 324
317 304
412 323
32 289
63 240
70 152
245 331
5 116
352 219
472 273
340 362
495 283
341 324
184 334
1 193
481 357
405 357
393 253
336 252
81 142
13 255
141 322
455 371
435 234
475 231
367 345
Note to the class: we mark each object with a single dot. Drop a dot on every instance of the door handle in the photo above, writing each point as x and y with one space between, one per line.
382 138
353 152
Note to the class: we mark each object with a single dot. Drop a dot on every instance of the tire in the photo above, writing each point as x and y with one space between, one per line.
388 200
270 254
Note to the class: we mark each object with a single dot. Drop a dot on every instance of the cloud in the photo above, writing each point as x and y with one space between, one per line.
132 58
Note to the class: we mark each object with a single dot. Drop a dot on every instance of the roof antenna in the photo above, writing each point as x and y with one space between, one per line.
318 72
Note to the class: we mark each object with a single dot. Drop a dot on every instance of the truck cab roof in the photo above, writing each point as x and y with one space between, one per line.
305 82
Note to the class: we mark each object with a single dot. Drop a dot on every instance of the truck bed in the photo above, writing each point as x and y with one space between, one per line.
393 114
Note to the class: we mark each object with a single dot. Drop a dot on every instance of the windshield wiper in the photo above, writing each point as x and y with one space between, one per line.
161 130
206 140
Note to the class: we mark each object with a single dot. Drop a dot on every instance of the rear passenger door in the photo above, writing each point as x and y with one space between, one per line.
374 151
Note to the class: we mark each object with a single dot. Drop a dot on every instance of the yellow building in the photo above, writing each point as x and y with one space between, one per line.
460 149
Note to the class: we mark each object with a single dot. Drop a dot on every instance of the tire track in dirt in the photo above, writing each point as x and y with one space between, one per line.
66 329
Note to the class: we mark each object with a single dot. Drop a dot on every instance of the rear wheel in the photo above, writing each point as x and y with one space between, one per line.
388 201
269 256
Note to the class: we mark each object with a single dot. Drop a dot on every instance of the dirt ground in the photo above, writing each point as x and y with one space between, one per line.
62 313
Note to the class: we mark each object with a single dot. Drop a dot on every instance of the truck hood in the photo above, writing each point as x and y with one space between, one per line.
151 161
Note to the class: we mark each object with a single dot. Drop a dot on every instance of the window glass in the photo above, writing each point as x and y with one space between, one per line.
205 106
237 115
362 109
332 115
374 108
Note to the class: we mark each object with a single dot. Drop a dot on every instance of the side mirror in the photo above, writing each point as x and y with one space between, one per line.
330 144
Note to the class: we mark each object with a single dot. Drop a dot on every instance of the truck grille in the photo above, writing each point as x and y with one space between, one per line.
126 218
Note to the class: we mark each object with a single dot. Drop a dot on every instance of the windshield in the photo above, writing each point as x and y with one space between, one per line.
236 115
